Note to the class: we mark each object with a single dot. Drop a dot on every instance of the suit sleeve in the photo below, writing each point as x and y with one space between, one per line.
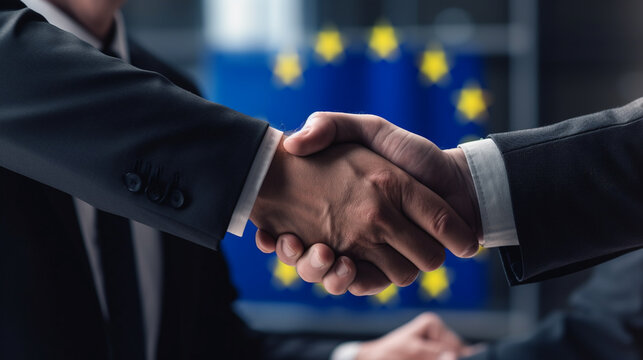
601 321
125 140
576 191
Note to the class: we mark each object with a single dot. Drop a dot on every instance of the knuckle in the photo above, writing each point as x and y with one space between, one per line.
383 179
441 221
444 223
374 119
374 215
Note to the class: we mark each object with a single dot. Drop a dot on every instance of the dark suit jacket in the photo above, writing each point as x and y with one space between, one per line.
121 138
576 191
76 119
604 320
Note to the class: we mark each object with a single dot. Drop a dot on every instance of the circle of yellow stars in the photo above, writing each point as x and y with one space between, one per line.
471 102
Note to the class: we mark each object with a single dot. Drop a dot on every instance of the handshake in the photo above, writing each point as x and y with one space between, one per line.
356 203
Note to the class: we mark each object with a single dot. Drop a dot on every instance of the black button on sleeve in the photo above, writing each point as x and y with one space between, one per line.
154 192
133 182
177 199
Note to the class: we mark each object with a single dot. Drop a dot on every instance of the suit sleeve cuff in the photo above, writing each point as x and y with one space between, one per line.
346 351
257 173
492 189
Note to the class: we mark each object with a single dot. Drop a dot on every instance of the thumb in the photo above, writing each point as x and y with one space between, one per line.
322 129
317 134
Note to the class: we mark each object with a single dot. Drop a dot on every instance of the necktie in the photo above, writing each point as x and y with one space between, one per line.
125 325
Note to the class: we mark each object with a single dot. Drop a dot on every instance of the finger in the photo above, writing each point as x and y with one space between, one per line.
428 324
410 152
398 269
422 324
325 128
289 249
414 243
432 213
340 276
265 242
315 263
369 280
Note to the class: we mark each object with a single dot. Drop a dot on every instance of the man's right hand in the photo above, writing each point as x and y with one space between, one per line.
445 172
363 207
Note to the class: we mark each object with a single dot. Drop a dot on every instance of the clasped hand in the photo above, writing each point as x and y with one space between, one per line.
358 218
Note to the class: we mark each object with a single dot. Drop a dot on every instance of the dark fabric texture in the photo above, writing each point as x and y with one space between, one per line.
125 324
576 191
79 121
59 95
604 320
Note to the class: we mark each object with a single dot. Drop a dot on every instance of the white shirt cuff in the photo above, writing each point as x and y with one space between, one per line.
257 173
346 351
492 189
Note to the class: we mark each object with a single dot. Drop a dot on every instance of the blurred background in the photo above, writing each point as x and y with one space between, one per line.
451 71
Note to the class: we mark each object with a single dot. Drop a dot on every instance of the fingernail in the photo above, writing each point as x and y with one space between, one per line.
342 269
289 251
316 260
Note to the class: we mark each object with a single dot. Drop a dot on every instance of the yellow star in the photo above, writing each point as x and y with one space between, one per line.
329 44
435 283
471 103
434 65
383 41
387 295
287 68
284 275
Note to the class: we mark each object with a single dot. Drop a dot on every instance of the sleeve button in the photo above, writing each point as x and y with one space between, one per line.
177 199
133 182
154 192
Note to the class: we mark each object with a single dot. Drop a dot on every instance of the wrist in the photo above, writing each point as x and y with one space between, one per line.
270 185
465 181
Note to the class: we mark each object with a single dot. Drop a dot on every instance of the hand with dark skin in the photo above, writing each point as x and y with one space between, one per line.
444 171
364 208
